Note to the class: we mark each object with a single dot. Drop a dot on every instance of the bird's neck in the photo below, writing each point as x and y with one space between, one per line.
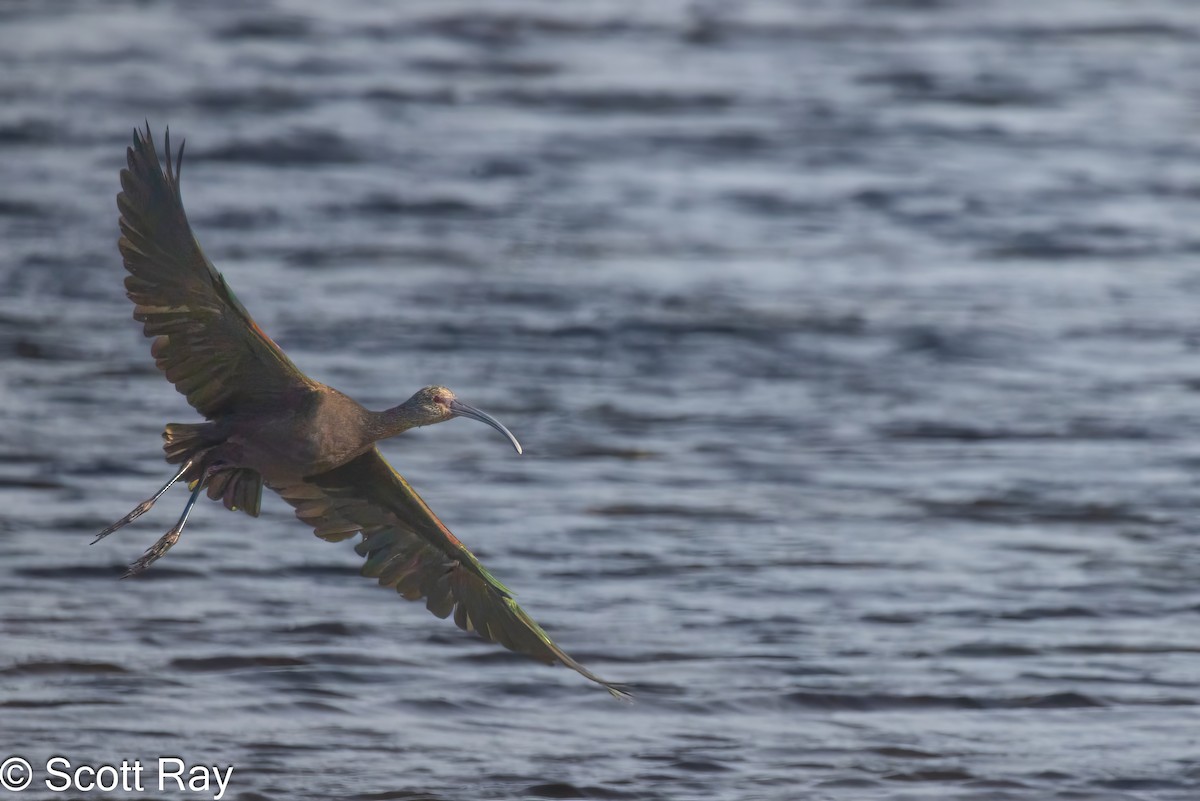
390 422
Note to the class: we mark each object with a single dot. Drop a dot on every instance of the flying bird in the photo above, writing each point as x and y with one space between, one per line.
268 424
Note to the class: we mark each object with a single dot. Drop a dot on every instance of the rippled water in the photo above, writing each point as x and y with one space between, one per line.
854 346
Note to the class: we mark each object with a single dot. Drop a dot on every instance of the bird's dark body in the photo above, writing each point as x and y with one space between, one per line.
323 429
308 433
268 424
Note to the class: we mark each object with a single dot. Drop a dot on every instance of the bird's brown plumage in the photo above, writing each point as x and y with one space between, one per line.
231 372
205 343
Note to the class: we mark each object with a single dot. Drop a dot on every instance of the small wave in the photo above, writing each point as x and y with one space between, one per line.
731 143
319 257
322 630
931 775
616 101
276 26
67 666
395 94
54 703
981 89
251 100
958 432
490 66
1019 506
1099 648
302 148
437 705
241 219
394 795
600 451
873 702
666 510
106 572
989 650
1048 613
772 204
390 204
1143 784
694 765
30 483
1074 243
896 752
219 663
506 28
22 208
1148 29
848 784
29 132
556 790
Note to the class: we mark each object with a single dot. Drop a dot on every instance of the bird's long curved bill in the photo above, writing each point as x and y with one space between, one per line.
460 409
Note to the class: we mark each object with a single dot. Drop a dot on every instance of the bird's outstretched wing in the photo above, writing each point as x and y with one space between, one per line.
207 344
408 548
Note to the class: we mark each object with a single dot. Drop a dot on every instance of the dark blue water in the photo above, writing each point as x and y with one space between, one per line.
855 347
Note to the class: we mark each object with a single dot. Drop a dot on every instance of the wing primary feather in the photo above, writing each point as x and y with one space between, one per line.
168 270
167 145
407 548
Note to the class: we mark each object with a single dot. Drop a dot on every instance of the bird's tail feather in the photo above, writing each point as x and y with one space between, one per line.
183 441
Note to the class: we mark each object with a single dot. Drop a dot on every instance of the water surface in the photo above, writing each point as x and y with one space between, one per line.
854 347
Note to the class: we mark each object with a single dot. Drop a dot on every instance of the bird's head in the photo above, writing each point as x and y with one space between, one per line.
437 404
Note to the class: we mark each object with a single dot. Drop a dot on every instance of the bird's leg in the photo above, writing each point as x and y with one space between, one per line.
144 506
159 549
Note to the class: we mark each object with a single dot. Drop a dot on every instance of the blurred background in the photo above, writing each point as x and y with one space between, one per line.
855 348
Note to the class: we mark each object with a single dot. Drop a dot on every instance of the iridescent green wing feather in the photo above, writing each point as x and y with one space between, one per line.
205 342
408 548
